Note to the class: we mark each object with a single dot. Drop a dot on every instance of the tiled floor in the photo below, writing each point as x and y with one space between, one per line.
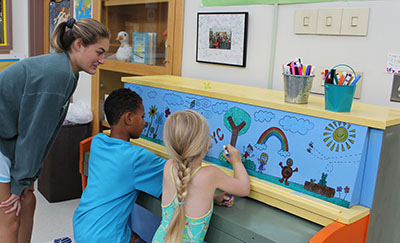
52 220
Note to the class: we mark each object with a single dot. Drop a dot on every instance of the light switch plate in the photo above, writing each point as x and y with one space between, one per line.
306 21
355 21
329 21
395 96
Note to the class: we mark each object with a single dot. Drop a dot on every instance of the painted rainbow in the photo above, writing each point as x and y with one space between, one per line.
274 132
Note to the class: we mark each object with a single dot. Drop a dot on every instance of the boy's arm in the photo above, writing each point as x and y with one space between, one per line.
149 172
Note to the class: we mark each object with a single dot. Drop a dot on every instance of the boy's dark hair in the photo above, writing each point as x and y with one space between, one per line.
119 102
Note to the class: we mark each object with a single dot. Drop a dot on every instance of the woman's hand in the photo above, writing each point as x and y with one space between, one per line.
224 199
14 202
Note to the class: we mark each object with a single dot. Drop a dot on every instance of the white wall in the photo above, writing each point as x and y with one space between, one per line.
258 46
84 89
20 27
365 54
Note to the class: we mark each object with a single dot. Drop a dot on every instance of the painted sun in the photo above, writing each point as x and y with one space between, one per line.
339 136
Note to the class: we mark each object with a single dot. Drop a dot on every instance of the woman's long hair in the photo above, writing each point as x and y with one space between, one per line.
89 30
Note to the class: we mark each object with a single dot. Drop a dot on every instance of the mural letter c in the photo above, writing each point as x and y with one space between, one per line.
220 137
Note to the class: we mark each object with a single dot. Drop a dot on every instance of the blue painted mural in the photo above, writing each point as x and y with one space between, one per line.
310 155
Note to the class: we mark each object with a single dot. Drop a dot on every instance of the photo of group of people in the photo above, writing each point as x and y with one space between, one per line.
220 38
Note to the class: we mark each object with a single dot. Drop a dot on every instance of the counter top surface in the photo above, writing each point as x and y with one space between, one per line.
373 116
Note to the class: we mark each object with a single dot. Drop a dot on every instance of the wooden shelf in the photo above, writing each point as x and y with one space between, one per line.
104 123
133 68
155 16
362 114
130 2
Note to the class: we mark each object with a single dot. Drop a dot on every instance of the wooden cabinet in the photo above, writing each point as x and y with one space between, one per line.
163 17
363 173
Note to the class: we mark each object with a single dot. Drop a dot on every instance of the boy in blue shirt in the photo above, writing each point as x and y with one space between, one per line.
117 171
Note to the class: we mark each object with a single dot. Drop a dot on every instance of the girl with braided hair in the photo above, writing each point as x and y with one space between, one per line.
188 188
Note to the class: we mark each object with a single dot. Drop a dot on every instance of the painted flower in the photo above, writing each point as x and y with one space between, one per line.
339 188
346 189
153 111
167 112
159 120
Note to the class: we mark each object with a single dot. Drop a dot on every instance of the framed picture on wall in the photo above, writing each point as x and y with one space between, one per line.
5 26
55 12
83 9
222 38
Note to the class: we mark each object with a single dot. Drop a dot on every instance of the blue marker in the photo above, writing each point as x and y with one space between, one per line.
355 80
225 150
308 70
229 196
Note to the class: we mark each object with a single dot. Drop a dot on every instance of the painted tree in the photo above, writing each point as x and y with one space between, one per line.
238 122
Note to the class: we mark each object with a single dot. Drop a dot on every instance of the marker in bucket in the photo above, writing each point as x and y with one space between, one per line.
225 150
344 78
355 80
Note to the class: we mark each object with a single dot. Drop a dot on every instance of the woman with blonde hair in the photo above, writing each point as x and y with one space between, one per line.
188 188
34 99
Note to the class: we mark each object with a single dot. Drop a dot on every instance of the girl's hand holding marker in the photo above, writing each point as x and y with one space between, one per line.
224 199
232 155
225 151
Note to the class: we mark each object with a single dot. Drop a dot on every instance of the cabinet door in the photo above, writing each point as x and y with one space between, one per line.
147 47
158 23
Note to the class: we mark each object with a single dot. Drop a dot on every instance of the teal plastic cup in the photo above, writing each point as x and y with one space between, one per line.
339 98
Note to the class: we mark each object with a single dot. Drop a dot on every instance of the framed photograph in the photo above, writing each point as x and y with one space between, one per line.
222 38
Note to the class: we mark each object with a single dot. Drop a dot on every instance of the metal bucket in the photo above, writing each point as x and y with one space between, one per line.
297 88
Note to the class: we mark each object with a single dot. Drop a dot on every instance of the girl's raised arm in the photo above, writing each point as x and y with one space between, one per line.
239 185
